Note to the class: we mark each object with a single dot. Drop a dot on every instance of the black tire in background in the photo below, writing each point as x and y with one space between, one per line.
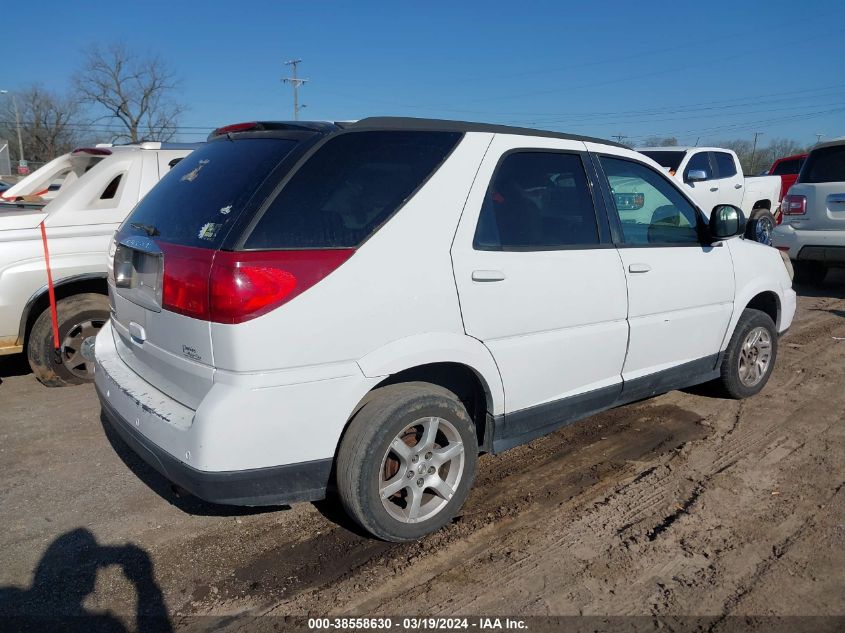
83 313
810 273
366 448
760 226
738 354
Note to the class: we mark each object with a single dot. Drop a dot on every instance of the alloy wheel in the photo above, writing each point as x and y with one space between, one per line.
755 356
421 470
71 350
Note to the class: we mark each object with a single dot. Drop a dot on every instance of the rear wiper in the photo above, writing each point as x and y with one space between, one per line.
149 229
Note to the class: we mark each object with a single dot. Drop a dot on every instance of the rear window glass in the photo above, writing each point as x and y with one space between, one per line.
198 200
826 164
666 159
791 166
349 188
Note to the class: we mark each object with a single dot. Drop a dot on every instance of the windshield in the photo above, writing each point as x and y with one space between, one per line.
826 164
197 202
671 160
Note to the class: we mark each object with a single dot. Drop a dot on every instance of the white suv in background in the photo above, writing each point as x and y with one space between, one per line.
365 307
813 230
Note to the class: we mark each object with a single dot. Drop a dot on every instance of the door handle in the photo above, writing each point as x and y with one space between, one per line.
714 189
737 186
639 268
488 275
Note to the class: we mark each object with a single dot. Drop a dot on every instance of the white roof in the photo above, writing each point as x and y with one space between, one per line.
680 148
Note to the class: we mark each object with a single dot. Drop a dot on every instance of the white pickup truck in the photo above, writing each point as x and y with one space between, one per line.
713 175
47 182
101 185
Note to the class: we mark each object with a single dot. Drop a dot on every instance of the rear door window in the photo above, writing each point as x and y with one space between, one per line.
197 202
725 164
537 201
826 164
351 186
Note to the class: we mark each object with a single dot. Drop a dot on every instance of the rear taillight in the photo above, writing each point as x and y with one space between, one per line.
92 151
794 205
235 127
185 280
233 287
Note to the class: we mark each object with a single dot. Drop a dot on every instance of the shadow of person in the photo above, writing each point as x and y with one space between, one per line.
67 574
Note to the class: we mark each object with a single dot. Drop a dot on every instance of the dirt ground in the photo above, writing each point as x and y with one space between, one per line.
686 504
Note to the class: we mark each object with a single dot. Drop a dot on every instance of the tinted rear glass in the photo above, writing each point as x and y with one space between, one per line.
349 188
198 200
666 159
726 165
792 166
826 164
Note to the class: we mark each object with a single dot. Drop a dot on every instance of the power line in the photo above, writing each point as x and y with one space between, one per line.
296 82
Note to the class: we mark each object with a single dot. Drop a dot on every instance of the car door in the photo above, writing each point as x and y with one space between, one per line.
704 192
729 180
540 283
680 289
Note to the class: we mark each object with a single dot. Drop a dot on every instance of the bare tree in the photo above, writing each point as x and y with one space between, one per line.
658 141
778 148
49 124
135 91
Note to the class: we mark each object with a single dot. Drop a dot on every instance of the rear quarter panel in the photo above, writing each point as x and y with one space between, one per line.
397 285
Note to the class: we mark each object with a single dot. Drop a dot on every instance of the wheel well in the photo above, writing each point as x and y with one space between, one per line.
96 285
767 302
461 380
762 204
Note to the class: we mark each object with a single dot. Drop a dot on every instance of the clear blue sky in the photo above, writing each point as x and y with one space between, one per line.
714 70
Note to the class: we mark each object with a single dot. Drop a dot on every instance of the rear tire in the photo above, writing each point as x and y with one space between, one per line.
80 316
810 273
400 474
760 226
750 356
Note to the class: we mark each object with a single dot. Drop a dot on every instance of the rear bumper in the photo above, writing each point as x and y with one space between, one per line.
247 443
819 246
305 481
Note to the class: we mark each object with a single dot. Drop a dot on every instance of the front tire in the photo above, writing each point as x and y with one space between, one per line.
750 356
760 226
407 461
80 316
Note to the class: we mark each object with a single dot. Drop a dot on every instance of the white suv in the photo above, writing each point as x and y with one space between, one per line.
813 230
365 307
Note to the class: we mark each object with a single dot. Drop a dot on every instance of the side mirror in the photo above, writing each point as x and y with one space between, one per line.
696 175
726 220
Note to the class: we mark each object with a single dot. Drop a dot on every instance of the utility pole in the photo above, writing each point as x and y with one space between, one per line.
819 137
754 153
21 161
296 82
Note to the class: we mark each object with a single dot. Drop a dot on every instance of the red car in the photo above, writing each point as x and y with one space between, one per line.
787 168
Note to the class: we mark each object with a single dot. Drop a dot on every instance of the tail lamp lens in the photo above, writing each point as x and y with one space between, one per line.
233 287
794 205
